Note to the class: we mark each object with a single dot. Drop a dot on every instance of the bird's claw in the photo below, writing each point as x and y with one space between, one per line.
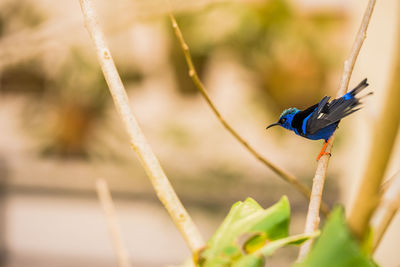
322 154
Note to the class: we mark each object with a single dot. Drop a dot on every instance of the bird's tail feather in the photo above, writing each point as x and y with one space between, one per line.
363 84
361 97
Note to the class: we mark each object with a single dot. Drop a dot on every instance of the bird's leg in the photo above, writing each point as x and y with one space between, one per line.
323 150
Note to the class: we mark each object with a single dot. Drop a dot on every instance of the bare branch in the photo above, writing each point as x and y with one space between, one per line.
288 177
355 50
149 161
312 221
389 205
109 211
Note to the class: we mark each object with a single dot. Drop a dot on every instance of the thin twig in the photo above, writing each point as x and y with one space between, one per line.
385 129
149 161
389 205
312 220
288 177
109 211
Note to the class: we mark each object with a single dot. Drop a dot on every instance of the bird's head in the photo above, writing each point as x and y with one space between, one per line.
285 120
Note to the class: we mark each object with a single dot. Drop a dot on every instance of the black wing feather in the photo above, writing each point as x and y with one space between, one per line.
298 119
328 113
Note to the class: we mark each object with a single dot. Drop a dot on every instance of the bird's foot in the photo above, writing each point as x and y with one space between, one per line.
323 150
322 153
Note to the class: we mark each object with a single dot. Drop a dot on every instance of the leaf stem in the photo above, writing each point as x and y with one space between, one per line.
149 161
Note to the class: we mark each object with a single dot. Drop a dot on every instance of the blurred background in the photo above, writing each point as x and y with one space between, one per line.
59 131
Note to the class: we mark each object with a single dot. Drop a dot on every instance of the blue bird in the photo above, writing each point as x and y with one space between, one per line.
321 120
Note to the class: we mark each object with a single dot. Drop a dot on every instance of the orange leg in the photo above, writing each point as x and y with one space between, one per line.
323 150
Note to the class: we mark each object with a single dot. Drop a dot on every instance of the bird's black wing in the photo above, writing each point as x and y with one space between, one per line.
319 119
300 116
328 113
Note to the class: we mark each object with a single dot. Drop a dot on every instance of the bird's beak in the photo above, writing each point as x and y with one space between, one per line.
271 125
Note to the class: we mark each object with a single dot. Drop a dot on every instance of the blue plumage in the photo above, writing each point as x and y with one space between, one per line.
321 120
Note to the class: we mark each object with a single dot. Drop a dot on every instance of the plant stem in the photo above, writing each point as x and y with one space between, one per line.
288 177
149 161
109 211
385 130
312 220
389 205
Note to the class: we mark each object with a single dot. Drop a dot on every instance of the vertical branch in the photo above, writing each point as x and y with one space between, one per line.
355 50
109 211
312 220
389 205
288 177
149 161
385 131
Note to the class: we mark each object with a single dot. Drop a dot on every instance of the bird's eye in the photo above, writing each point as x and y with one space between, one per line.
283 120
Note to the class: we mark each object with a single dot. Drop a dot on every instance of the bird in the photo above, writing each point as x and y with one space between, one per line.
321 120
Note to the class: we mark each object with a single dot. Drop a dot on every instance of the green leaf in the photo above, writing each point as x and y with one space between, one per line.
336 247
246 218
254 242
271 247
250 260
